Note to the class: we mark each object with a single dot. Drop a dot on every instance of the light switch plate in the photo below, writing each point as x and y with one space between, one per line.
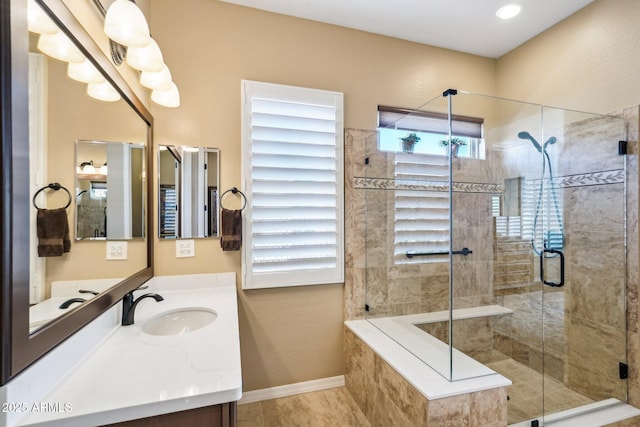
185 248
116 250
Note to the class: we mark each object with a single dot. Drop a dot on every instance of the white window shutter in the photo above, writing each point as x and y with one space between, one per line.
421 217
292 149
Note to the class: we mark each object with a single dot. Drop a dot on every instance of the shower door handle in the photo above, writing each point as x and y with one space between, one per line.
557 252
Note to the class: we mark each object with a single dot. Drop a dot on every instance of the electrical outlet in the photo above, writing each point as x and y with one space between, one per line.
116 250
185 248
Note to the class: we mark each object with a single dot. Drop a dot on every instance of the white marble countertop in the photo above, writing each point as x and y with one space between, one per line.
135 375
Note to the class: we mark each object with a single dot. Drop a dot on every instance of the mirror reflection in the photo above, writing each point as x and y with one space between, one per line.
70 101
109 190
188 192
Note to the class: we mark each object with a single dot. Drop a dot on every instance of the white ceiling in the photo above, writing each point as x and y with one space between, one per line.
464 25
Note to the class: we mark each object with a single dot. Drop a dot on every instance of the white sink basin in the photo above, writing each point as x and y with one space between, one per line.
179 321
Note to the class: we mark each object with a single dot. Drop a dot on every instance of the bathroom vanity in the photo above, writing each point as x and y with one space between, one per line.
77 365
168 364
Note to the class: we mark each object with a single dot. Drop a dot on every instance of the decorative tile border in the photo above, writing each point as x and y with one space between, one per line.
616 176
419 185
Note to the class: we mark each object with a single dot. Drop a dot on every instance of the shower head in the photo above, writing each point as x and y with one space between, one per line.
550 141
527 135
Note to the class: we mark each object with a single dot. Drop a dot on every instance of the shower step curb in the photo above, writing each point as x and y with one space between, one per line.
596 414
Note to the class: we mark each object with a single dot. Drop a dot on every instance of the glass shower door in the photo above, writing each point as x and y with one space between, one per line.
579 240
497 295
540 295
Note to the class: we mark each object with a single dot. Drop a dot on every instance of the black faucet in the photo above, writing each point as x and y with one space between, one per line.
129 306
68 302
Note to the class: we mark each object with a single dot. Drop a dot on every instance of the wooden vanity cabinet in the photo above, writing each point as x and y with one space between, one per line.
222 415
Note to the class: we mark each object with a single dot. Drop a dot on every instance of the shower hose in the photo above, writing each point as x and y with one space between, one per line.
555 238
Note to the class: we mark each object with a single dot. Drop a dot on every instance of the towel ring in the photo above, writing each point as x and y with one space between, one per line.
53 186
234 190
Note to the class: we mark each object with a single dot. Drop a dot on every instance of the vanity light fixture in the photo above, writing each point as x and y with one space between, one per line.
86 168
84 72
38 21
103 92
146 58
156 79
58 46
186 149
125 23
509 11
167 98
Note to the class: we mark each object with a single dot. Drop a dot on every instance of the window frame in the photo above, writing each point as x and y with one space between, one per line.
302 276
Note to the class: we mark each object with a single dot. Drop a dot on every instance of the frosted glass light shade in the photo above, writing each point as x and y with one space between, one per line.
103 92
160 80
147 58
38 21
84 72
125 23
167 98
59 46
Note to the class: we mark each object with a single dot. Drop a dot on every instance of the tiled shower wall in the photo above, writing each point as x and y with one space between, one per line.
426 285
396 285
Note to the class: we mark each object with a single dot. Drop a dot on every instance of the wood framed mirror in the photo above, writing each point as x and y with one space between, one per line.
22 344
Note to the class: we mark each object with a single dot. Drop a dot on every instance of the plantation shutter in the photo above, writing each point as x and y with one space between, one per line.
293 169
421 217
542 217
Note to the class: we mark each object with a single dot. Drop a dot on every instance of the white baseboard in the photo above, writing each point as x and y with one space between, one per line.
291 389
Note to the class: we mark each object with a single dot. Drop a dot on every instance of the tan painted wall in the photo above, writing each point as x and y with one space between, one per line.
588 62
292 334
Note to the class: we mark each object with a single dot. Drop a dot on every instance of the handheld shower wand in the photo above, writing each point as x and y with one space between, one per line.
536 144
527 135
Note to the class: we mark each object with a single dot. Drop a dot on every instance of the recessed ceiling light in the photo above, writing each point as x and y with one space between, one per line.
509 11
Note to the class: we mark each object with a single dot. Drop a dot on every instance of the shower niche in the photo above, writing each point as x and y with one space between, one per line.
509 256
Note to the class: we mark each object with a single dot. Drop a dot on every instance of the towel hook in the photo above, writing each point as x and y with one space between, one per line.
53 186
234 190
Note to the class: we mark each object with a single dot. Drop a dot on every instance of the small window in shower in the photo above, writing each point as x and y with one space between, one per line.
98 190
422 132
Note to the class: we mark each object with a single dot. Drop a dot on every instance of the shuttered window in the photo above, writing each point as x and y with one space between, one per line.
542 214
292 149
421 217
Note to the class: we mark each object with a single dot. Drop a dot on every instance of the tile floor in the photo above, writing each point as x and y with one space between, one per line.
331 408
335 407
